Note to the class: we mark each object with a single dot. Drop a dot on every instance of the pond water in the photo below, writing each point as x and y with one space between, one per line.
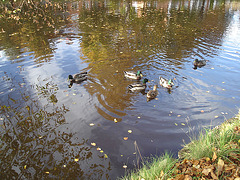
93 129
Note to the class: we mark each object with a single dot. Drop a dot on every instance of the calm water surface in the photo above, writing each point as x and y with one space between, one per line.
91 130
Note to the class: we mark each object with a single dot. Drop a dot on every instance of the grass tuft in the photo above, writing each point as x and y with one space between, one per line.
153 168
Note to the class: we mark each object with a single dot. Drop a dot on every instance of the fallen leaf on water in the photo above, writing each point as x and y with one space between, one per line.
129 131
76 160
93 144
105 155
216 116
101 151
124 166
98 149
125 138
139 117
115 120
202 111
91 124
121 155
179 115
25 167
183 124
176 124
207 91
47 172
223 82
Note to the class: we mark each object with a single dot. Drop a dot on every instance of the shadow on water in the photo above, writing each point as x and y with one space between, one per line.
89 130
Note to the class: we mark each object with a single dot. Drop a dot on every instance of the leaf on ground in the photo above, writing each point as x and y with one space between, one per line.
220 165
115 120
76 159
206 171
214 156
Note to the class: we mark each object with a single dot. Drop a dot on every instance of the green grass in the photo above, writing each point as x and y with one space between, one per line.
218 140
221 140
153 168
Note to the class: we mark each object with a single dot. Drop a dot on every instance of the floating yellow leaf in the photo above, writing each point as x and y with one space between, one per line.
176 124
101 151
183 124
91 124
76 160
47 172
223 82
139 117
129 131
115 120
125 138
124 166
98 149
121 155
216 116
202 111
105 155
25 167
179 115
93 144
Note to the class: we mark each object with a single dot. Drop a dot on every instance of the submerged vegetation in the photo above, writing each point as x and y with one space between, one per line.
214 154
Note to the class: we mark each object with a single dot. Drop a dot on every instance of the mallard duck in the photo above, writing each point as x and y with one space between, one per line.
138 86
152 93
77 78
133 75
166 83
199 63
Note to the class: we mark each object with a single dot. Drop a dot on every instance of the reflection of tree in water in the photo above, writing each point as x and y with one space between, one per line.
35 144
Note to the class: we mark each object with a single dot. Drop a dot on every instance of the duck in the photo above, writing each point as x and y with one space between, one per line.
77 78
166 83
138 86
152 93
199 63
133 75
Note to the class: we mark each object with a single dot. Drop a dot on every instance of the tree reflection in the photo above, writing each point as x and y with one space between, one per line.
35 140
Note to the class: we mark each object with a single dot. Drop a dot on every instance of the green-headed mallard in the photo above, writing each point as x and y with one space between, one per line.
152 93
133 75
199 63
77 78
166 83
138 86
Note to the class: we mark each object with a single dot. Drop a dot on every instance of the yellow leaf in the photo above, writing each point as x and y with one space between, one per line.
125 138
105 155
98 149
25 167
220 165
91 124
207 159
124 166
101 151
179 115
93 144
216 116
162 173
183 124
139 117
76 160
214 156
176 124
47 172
115 120
129 131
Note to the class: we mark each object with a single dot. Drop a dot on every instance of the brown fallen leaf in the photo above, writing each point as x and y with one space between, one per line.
206 171
213 175
187 177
